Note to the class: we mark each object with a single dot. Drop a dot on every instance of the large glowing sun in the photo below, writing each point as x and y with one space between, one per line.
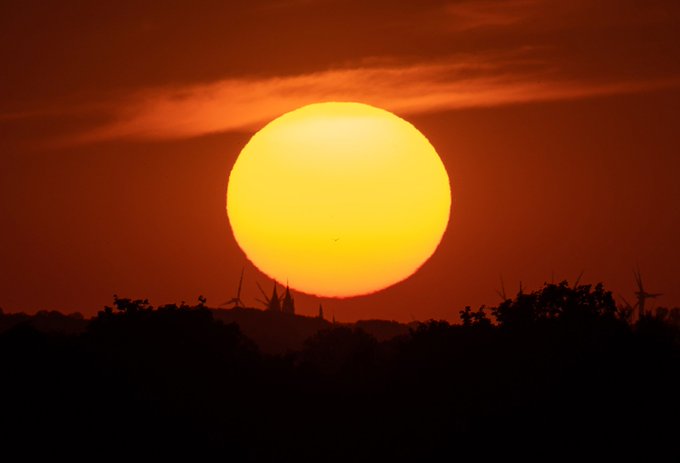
338 199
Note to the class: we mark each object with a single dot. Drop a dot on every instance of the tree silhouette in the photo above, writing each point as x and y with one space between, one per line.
129 306
582 304
477 318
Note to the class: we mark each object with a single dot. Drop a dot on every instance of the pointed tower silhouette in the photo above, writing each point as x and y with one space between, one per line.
320 312
288 305
274 302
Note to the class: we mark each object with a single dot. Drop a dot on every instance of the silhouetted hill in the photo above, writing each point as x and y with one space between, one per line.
46 321
278 333
273 332
383 330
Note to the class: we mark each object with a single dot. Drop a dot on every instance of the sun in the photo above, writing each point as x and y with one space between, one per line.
338 199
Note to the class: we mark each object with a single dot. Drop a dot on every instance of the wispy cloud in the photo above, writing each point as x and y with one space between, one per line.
473 14
246 103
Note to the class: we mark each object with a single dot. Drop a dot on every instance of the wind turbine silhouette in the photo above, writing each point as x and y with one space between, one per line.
641 294
236 301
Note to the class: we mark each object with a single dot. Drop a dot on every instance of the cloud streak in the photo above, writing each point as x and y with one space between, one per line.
247 103
468 15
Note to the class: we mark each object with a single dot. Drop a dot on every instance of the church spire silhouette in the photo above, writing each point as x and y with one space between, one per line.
274 302
288 304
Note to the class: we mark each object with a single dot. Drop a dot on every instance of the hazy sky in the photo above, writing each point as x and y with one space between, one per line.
558 122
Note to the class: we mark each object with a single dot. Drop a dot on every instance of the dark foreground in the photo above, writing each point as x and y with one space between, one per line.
560 372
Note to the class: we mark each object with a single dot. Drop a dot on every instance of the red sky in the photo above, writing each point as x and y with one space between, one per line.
557 121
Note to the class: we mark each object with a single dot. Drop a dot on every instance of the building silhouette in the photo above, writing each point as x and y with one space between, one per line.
274 303
288 303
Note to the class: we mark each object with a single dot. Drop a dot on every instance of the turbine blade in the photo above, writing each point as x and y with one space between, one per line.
262 291
240 283
578 279
638 278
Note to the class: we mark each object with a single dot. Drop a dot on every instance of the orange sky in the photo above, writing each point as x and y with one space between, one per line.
557 121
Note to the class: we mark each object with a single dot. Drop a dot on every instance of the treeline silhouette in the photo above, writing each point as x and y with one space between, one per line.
561 368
